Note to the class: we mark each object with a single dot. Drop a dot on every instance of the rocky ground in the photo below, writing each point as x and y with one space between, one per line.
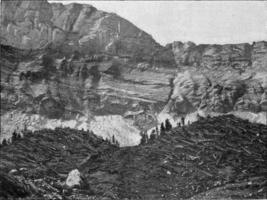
215 158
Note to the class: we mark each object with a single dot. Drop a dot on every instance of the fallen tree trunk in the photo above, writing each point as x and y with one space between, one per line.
11 187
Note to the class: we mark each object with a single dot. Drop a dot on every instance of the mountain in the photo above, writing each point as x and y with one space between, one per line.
214 158
35 24
75 66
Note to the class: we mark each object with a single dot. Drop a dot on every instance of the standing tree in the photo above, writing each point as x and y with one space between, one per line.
113 141
168 125
14 136
153 135
143 137
4 142
162 128
183 121
117 143
19 135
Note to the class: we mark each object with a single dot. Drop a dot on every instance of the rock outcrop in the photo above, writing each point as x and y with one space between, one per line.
35 24
84 89
219 78
74 178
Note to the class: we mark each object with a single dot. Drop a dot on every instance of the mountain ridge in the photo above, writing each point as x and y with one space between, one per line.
105 69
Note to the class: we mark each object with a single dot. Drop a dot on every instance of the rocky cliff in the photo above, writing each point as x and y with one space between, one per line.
220 78
35 24
73 65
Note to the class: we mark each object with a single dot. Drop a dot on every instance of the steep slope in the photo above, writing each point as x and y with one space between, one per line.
80 67
35 24
219 78
73 65
41 88
221 157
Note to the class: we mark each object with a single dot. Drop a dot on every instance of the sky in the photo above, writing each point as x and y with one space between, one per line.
206 22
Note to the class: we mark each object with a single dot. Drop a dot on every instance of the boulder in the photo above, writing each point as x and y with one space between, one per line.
74 178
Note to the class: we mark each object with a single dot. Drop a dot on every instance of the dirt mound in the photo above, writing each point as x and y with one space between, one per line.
216 158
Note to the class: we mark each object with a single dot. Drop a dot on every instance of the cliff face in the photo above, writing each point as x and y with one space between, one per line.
73 65
219 78
35 24
80 91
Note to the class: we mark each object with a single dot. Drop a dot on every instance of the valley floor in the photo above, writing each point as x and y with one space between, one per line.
217 158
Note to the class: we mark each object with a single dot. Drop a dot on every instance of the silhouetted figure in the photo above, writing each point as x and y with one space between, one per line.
188 122
168 125
208 117
162 129
179 124
183 121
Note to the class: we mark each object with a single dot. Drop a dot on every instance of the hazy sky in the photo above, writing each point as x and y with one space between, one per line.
197 21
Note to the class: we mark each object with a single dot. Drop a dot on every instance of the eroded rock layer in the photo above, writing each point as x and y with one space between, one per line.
80 67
